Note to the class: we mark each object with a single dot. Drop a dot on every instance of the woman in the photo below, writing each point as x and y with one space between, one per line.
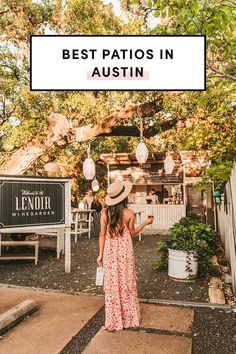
116 255
97 207
73 201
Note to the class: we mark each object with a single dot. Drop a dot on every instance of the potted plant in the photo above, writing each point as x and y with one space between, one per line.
188 248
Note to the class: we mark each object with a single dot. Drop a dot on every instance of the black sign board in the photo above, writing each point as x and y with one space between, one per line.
31 202
152 173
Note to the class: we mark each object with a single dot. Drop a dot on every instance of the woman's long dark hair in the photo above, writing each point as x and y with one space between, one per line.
115 217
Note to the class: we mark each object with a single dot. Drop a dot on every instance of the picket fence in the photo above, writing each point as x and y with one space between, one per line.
226 221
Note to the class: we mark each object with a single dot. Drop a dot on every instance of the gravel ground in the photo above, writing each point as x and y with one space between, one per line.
49 273
214 331
82 339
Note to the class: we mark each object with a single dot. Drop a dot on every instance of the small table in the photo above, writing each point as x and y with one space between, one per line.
78 217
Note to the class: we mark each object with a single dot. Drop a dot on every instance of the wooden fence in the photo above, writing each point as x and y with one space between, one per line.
226 221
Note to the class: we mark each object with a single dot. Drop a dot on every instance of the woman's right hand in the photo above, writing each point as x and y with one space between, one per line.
149 220
99 261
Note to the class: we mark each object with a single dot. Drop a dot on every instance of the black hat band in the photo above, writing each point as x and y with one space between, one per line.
117 195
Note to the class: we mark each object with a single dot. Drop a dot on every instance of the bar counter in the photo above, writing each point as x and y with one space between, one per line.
165 215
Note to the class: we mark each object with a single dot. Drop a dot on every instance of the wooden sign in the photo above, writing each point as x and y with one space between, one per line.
27 202
143 175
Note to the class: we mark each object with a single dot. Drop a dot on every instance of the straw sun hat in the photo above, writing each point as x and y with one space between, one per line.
118 191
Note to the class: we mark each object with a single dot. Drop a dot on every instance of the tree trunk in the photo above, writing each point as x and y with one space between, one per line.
24 157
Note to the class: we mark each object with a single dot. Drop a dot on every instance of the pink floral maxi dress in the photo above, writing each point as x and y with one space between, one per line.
121 297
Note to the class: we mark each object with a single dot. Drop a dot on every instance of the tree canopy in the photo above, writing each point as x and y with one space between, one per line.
186 120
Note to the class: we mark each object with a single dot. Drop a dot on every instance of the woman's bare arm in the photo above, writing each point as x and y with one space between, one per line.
135 231
102 236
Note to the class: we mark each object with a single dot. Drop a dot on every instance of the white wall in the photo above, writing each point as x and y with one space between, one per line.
226 220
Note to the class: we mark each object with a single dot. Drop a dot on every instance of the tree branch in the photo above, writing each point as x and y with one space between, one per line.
59 133
4 12
220 74
135 132
105 126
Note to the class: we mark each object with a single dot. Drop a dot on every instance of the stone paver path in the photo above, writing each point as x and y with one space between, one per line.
168 318
163 329
128 342
156 318
47 331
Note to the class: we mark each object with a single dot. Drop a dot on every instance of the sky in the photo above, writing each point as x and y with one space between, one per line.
152 21
116 6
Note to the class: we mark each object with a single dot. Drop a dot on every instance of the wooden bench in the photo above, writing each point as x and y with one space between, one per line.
59 234
20 243
55 232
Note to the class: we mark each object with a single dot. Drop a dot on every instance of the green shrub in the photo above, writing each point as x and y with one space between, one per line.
190 235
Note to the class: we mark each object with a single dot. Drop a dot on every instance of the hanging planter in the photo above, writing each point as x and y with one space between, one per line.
217 197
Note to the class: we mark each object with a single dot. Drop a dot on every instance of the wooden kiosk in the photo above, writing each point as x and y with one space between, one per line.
176 192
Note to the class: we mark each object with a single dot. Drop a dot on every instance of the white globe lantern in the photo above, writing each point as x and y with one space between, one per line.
141 152
169 164
89 168
52 167
95 185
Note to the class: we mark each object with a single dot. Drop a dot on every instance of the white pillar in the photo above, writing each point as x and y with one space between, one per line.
67 250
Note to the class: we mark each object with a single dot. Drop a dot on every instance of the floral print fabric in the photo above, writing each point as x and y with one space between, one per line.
121 298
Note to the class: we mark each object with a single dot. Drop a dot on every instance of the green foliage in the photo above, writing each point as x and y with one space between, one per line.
24 114
219 174
190 235
211 114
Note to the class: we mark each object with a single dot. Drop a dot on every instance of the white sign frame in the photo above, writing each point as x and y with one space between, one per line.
67 182
65 226
169 63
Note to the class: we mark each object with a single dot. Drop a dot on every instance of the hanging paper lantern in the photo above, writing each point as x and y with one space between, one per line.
89 168
169 164
52 167
95 185
141 153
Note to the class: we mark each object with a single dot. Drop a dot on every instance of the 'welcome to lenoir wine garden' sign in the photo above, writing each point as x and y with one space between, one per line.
33 201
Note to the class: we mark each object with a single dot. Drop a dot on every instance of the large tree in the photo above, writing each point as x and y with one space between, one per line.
26 118
186 120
